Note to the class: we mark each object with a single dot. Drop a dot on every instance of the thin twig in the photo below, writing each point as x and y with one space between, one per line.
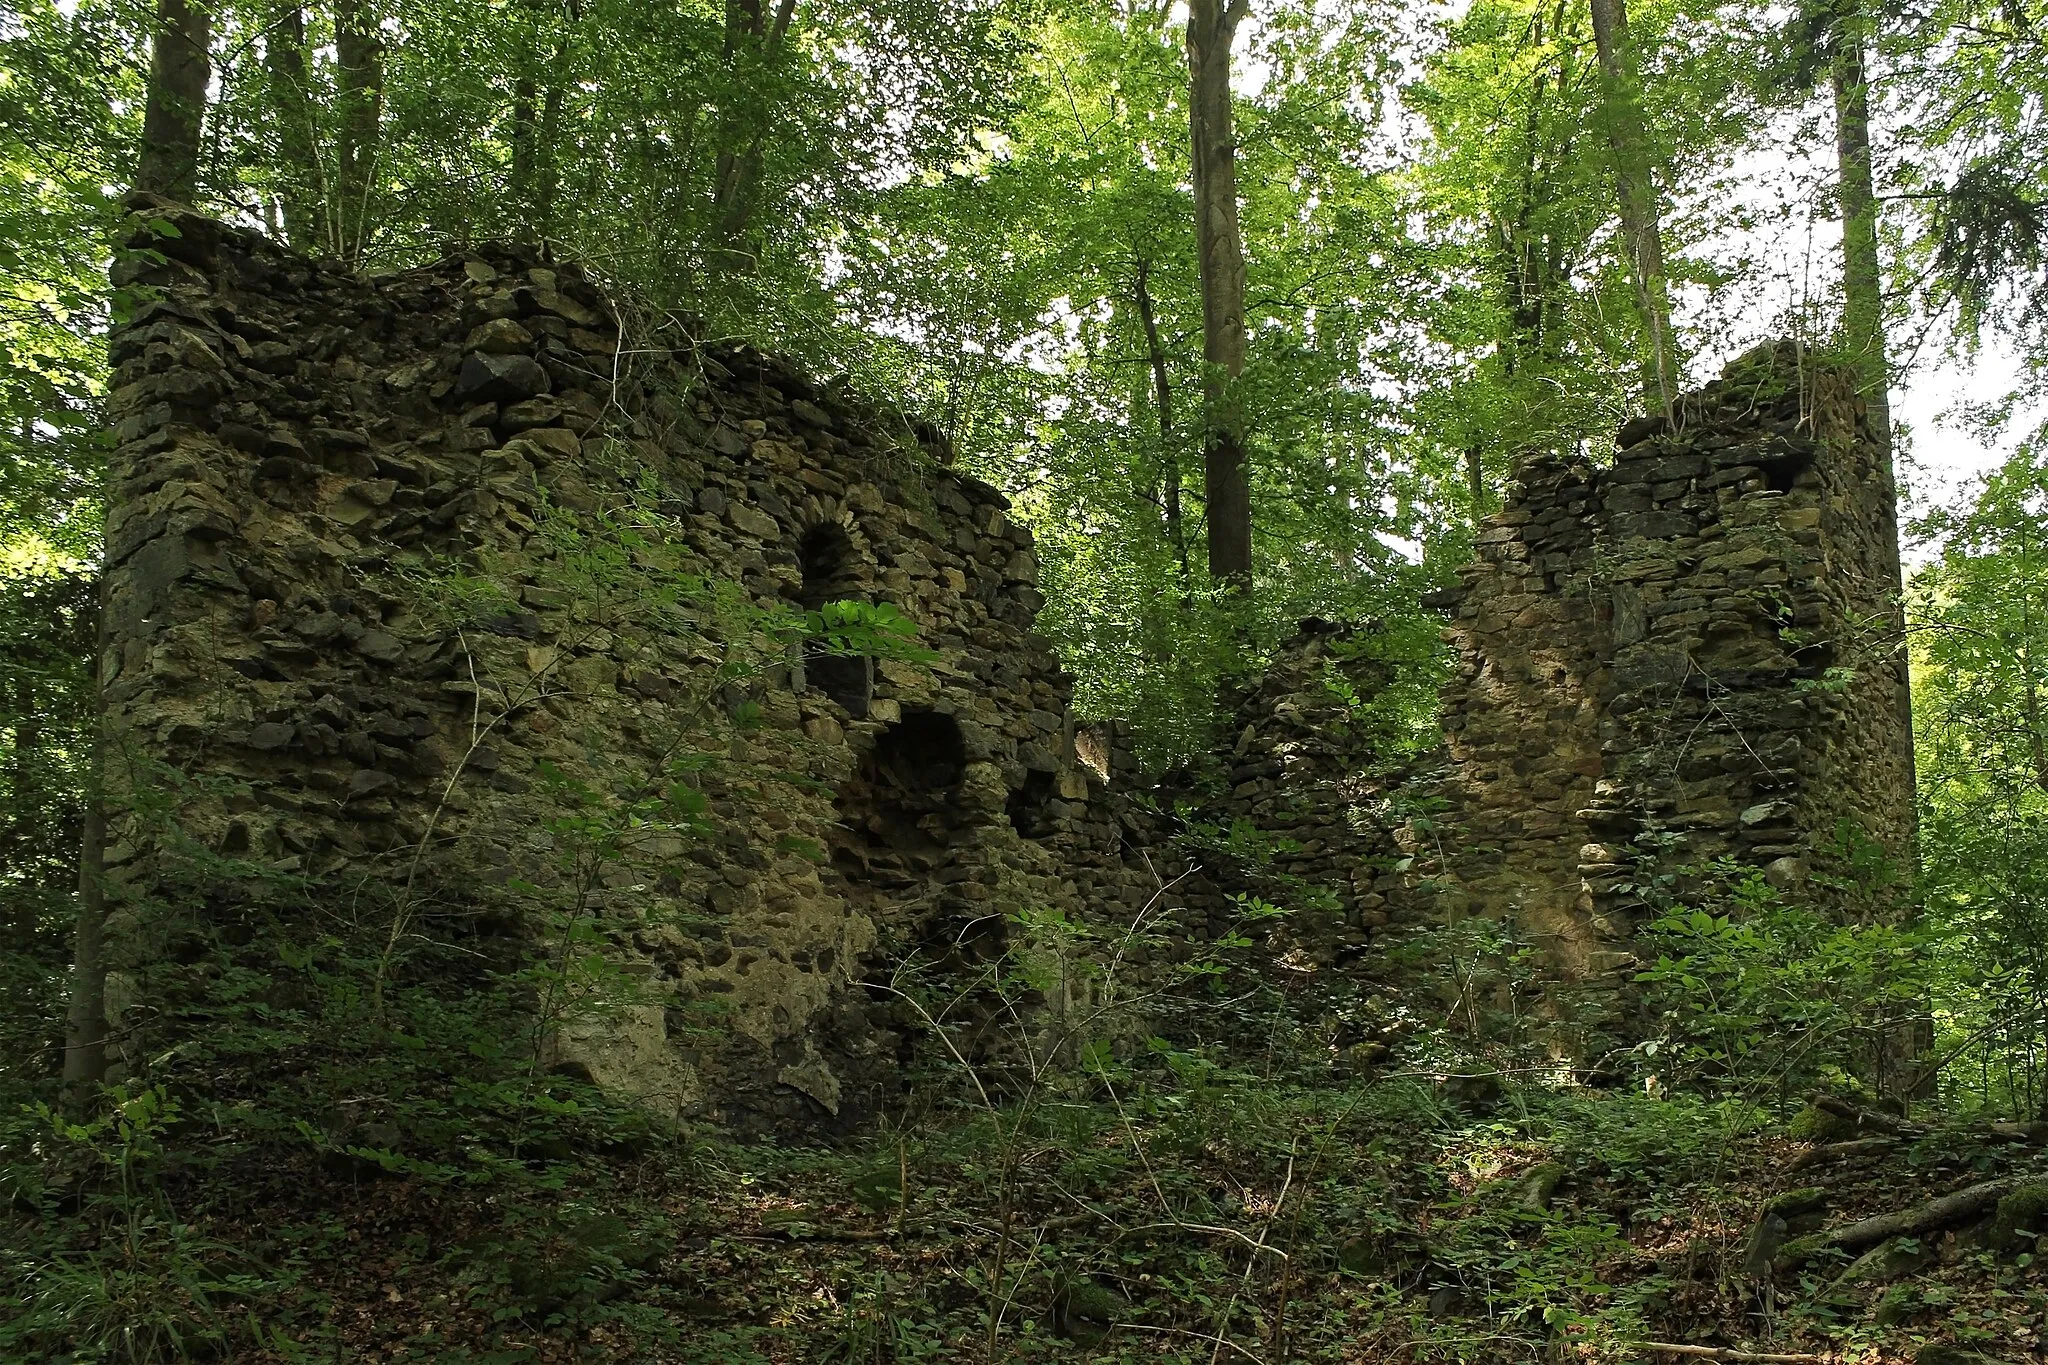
1221 1342
1732 1353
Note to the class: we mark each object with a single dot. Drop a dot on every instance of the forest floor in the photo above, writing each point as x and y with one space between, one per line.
1196 1215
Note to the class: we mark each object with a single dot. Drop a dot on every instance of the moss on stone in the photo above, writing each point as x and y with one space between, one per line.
1793 1203
1815 1124
2021 1216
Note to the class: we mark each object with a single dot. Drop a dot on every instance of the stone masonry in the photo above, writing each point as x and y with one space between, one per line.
455 606
1696 649
403 571
1303 820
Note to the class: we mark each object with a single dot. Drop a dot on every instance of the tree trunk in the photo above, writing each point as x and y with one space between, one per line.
1162 393
1532 272
301 193
1636 193
85 1025
1863 335
174 109
359 61
1863 331
548 174
525 93
753 47
1862 272
1226 482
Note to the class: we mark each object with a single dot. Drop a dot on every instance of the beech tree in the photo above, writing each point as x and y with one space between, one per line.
1212 27
1636 192
1863 304
180 66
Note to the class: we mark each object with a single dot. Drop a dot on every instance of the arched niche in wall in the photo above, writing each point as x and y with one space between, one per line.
832 572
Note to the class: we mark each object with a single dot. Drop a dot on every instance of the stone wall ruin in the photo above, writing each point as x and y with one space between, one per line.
406 567
1700 643
400 569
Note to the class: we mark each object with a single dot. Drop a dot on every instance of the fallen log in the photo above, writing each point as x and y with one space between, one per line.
1931 1216
1841 1151
1865 1118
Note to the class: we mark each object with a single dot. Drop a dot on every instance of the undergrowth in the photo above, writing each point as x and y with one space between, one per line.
1241 1183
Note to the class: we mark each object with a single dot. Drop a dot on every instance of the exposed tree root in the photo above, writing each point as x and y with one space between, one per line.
1931 1216
1732 1353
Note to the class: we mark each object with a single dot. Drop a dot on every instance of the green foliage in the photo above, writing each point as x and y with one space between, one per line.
128 1279
1400 716
1980 619
983 212
1754 995
47 629
871 629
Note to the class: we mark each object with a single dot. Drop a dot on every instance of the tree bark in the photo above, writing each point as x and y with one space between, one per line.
525 94
174 109
548 174
1862 271
1162 394
85 1024
1931 1216
1863 326
301 194
1226 480
753 47
1636 193
359 61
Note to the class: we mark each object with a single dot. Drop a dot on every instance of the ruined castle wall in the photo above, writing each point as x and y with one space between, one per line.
446 606
1522 717
432 597
1300 820
1698 642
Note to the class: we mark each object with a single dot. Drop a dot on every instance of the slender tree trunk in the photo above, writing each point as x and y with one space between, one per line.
1524 252
27 750
548 174
753 49
174 108
85 1025
1226 480
1475 479
525 93
1863 334
359 61
1636 192
1162 394
1863 329
284 63
1862 272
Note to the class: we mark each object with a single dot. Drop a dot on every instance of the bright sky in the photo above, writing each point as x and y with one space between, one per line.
1946 456
1788 265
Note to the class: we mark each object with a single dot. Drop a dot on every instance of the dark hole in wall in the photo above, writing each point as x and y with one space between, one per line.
1782 469
922 752
832 573
831 567
1814 659
901 805
848 679
1028 806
